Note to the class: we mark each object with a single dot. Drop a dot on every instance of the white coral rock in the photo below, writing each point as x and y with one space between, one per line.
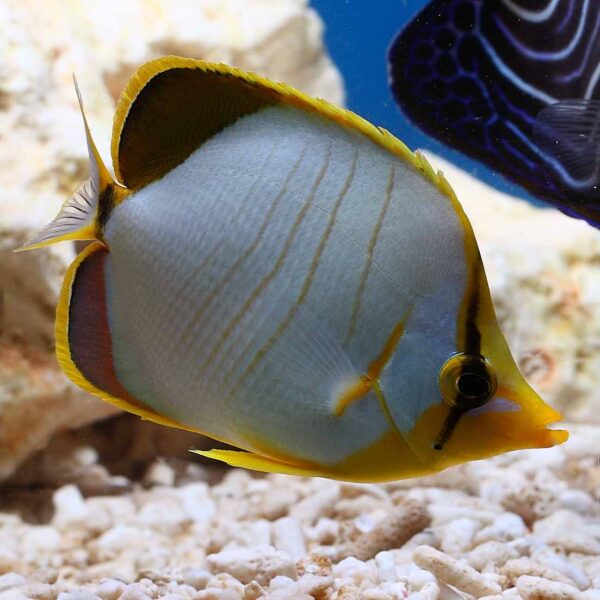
261 564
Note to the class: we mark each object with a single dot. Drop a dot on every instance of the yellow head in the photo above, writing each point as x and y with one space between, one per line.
484 405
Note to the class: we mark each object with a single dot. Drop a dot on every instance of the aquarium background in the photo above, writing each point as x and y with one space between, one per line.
97 505
358 34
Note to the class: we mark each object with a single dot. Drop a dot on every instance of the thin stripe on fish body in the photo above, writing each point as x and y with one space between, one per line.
281 275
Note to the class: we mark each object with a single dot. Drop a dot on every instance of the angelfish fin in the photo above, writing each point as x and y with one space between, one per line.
257 462
569 131
77 217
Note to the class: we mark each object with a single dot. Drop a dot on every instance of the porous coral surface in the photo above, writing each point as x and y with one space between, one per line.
525 525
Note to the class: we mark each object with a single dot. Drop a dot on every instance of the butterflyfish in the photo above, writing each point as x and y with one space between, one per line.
278 274
484 75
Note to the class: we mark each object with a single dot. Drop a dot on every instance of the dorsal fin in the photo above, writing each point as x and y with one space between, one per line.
570 132
77 217
169 108
172 105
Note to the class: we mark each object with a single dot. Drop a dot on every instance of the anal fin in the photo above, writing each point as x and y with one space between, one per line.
257 462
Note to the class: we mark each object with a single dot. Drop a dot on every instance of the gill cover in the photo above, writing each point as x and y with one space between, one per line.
77 217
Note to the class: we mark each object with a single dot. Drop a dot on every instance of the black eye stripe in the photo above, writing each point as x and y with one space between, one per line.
466 381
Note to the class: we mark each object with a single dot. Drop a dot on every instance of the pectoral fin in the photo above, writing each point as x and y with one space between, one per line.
569 131
359 387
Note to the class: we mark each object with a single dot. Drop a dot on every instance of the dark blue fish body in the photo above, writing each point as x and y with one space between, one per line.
485 76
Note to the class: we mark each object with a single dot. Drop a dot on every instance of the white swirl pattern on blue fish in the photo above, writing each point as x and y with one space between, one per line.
480 73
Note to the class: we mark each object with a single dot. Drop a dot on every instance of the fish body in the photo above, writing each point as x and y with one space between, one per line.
477 74
279 274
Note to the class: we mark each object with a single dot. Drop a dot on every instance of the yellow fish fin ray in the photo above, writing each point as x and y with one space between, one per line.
154 131
264 464
76 219
424 166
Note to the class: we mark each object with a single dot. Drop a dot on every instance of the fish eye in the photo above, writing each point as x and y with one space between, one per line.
473 385
467 381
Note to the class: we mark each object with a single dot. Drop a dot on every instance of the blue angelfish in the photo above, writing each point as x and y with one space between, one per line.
514 84
279 274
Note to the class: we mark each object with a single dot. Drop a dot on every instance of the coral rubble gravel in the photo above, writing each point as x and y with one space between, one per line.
525 525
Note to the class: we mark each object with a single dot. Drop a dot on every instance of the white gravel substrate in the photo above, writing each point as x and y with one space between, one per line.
524 525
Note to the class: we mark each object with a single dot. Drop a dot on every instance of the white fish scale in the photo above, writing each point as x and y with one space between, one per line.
189 359
225 356
215 300
286 284
146 256
262 263
238 313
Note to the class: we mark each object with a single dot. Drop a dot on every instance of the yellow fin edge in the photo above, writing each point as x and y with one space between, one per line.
88 232
257 462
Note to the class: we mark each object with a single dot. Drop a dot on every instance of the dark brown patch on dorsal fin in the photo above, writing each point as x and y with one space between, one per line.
165 115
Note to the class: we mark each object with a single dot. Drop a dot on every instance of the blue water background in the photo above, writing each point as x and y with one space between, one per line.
358 34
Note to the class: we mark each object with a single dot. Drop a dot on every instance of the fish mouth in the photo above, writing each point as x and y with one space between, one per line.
553 437
541 418
548 435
